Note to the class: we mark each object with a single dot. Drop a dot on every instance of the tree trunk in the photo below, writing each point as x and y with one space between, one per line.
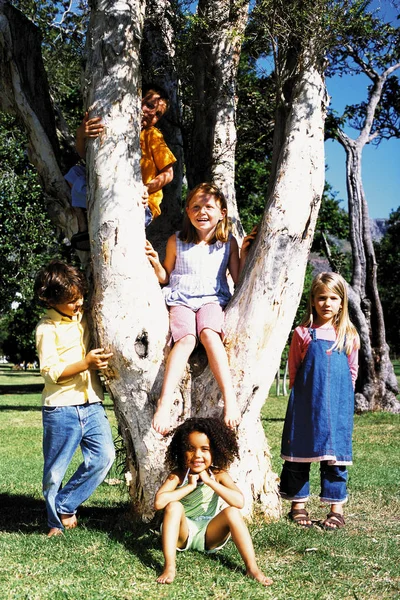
212 143
377 384
24 91
260 314
256 330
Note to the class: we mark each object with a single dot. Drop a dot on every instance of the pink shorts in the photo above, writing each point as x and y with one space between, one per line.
185 321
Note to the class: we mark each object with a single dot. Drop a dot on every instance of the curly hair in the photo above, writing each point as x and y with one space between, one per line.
223 442
57 283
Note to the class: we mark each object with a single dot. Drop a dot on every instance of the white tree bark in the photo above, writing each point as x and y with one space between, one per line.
130 313
260 315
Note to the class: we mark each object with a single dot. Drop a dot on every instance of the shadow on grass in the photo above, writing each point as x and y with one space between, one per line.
21 374
23 388
27 515
19 408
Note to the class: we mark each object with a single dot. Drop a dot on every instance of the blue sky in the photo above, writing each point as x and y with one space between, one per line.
381 164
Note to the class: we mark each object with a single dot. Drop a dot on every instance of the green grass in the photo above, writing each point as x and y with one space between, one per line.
108 557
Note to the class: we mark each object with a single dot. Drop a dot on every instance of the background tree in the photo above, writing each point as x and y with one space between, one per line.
159 55
388 258
371 47
27 236
210 123
255 128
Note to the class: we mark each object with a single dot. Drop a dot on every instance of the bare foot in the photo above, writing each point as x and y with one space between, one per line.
232 416
54 531
69 521
259 576
161 420
167 576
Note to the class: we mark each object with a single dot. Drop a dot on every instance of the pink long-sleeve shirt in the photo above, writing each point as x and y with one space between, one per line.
298 348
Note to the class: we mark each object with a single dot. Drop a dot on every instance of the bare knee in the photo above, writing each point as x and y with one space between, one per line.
209 336
173 509
232 514
187 341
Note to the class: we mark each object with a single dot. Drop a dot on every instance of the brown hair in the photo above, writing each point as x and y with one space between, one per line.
155 90
346 334
188 233
58 283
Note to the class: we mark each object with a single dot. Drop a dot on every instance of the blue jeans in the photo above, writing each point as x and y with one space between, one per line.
295 482
64 429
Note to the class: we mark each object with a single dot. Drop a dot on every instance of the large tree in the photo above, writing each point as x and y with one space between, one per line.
388 258
129 313
261 312
372 48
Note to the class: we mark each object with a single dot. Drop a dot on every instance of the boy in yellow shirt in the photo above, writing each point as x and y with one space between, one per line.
72 410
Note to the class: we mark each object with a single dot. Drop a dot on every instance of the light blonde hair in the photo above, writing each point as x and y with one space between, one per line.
188 233
346 334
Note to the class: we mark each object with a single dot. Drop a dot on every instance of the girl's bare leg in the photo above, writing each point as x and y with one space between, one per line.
175 532
230 520
176 362
218 361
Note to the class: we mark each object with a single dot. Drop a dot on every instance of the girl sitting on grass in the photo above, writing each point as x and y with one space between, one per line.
199 453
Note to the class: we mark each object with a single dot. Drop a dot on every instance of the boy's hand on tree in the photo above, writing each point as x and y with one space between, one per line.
89 128
98 359
92 127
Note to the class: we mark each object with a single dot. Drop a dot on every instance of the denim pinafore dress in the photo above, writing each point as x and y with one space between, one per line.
319 417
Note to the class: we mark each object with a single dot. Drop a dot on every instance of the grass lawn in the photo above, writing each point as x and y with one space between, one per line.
108 557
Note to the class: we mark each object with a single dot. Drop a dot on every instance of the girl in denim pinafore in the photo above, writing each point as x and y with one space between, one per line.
319 419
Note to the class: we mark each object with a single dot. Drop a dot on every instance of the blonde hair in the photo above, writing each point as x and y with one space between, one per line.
188 233
346 334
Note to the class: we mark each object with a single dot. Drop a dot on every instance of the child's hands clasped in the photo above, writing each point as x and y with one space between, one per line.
205 476
193 479
98 359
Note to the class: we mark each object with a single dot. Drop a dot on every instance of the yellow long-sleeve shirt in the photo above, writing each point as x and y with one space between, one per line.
155 157
62 341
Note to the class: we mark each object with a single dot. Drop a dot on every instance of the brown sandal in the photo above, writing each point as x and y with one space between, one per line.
299 514
335 519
